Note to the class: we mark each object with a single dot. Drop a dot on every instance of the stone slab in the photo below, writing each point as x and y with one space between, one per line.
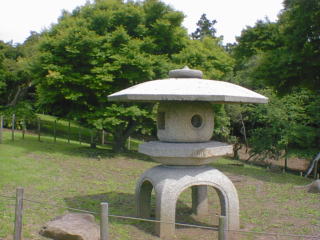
185 153
188 89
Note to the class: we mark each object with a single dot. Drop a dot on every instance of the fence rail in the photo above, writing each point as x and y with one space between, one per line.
104 222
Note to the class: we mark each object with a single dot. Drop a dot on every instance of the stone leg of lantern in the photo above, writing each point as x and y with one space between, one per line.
170 181
200 200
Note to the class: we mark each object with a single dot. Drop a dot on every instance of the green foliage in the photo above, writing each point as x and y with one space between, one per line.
207 55
297 61
17 77
221 123
285 122
102 48
22 110
263 36
251 48
274 54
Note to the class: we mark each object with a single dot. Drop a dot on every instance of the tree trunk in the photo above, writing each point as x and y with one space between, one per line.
286 158
118 144
244 132
236 147
120 136
19 94
313 165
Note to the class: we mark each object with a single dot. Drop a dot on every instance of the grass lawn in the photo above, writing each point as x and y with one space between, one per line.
73 175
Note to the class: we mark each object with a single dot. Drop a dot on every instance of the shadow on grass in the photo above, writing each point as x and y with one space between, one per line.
123 204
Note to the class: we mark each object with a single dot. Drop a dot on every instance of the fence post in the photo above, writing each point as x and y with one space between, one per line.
92 144
102 137
69 131
12 127
1 128
39 128
55 131
18 214
23 127
129 143
104 221
79 129
222 234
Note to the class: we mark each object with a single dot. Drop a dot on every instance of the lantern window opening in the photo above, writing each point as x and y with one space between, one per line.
196 121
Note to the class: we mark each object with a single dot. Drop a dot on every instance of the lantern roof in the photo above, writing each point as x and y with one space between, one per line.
187 85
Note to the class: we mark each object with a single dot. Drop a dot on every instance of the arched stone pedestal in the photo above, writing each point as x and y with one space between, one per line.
170 181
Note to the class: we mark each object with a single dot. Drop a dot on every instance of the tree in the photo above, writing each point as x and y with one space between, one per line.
101 48
262 58
251 47
207 55
297 61
205 28
16 76
285 122
263 36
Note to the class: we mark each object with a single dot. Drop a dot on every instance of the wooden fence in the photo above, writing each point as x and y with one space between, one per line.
104 219
40 127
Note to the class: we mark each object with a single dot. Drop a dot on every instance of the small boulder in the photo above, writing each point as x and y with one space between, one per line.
314 187
72 226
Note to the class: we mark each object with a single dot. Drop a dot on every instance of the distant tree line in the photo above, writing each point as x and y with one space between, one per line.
105 46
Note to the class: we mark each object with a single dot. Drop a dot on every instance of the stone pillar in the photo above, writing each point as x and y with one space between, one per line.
200 200
166 213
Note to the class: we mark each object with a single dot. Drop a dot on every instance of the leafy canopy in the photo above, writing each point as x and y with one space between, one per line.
297 61
102 48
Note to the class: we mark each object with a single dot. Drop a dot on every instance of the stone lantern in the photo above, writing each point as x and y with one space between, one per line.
184 129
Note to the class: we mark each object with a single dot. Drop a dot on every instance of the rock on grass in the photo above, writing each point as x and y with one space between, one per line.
72 226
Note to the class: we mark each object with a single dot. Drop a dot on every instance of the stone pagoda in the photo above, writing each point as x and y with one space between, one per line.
185 124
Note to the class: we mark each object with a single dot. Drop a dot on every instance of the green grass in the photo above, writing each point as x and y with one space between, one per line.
73 175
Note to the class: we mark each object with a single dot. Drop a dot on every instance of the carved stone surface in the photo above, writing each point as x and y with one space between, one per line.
185 153
185 73
170 181
72 226
200 200
186 122
185 126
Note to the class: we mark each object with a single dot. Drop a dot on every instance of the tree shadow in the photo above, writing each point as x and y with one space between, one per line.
123 204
